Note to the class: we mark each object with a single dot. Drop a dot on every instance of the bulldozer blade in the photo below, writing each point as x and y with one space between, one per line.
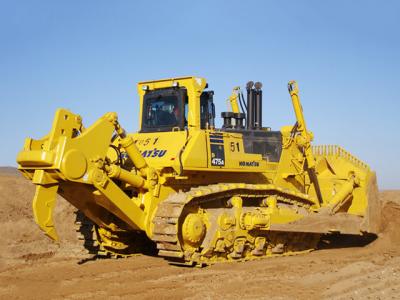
43 205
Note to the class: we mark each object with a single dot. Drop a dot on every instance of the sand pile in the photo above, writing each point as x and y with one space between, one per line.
22 238
33 267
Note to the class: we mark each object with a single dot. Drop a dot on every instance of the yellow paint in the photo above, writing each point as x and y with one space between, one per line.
234 99
102 170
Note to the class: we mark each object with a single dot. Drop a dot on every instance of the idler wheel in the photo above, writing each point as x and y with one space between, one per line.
193 229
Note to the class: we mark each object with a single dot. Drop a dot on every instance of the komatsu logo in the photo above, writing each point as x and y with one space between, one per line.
249 163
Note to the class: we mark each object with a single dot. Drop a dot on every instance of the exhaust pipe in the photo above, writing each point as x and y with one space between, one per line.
254 105
258 105
250 105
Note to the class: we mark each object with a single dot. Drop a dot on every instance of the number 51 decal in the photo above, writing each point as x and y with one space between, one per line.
234 147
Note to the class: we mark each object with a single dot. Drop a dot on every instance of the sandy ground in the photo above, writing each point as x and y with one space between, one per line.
32 267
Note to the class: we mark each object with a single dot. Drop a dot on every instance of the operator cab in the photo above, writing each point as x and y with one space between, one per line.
167 109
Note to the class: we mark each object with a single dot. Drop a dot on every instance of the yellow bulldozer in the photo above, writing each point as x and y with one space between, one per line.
192 192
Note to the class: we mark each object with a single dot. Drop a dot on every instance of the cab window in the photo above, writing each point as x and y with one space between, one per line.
162 110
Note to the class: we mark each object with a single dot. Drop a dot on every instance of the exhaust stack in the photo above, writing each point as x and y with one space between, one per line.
258 105
250 105
254 105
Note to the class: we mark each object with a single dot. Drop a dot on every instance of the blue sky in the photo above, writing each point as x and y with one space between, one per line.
87 56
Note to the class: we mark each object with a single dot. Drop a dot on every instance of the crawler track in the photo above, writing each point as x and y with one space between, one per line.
171 212
108 243
86 234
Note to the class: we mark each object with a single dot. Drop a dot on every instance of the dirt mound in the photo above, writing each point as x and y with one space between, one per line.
33 267
22 238
9 171
389 238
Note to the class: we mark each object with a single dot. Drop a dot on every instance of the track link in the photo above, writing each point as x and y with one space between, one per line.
110 243
86 234
167 222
